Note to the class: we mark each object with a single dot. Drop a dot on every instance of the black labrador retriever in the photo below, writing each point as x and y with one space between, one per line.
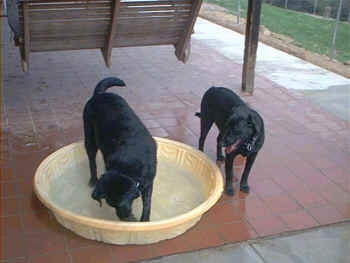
128 149
241 131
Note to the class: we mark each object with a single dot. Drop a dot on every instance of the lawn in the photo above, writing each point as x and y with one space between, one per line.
312 33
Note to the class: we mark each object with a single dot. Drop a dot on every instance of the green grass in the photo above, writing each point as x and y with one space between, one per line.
312 33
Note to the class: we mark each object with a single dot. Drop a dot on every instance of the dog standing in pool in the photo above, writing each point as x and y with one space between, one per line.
128 149
241 131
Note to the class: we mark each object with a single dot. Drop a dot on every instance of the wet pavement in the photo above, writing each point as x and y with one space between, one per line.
300 180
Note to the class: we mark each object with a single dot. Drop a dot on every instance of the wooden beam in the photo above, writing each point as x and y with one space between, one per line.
183 46
251 45
107 49
25 46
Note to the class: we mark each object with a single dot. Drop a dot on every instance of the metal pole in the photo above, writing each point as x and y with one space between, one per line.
333 48
239 12
315 7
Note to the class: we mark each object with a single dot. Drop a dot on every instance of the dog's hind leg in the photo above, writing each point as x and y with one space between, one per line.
91 150
229 174
146 203
243 186
205 127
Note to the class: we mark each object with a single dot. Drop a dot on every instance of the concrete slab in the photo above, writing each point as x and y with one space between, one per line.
335 99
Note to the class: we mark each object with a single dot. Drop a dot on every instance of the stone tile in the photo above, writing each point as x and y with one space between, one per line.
48 243
320 245
225 254
299 220
93 254
132 253
326 214
13 248
59 257
10 206
268 225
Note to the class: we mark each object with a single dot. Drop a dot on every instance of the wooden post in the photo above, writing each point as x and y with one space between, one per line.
183 46
107 49
25 46
251 45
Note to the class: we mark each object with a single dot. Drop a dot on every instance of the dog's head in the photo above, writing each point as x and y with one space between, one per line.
242 125
119 191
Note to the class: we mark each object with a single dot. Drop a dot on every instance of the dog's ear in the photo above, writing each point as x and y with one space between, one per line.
98 192
256 121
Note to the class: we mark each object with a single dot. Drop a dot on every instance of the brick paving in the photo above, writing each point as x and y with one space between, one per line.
300 179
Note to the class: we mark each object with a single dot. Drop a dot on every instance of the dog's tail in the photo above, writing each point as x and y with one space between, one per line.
198 114
106 83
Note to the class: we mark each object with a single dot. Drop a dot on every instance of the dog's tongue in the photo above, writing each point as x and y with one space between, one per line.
231 147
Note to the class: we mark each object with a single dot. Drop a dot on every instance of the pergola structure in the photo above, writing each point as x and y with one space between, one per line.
50 25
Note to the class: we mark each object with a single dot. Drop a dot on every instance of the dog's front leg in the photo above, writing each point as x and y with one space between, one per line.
146 203
91 150
219 155
229 174
243 186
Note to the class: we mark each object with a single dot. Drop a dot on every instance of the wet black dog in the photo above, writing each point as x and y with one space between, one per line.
128 149
241 131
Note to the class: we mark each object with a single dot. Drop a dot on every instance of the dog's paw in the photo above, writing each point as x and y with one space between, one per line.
244 188
219 163
92 182
229 190
220 158
130 218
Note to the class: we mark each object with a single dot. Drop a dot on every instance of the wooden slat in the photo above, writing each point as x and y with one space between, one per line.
67 44
154 2
135 42
61 28
69 5
151 20
70 14
158 8
61 1
139 29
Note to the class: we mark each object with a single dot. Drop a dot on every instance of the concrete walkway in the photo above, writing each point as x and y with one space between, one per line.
326 244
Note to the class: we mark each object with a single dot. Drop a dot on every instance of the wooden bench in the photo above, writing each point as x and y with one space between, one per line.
49 25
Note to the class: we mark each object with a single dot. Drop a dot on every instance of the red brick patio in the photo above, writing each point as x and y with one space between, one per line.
300 179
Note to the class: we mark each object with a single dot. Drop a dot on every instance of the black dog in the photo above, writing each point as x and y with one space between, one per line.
129 151
241 131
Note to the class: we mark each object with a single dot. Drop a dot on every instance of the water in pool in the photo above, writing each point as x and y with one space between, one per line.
175 192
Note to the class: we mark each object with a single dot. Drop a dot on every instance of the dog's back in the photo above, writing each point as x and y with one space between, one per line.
116 126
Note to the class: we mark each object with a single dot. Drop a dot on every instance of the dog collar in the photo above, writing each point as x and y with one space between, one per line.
249 145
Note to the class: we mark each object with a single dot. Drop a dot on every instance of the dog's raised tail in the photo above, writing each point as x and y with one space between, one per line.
106 83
